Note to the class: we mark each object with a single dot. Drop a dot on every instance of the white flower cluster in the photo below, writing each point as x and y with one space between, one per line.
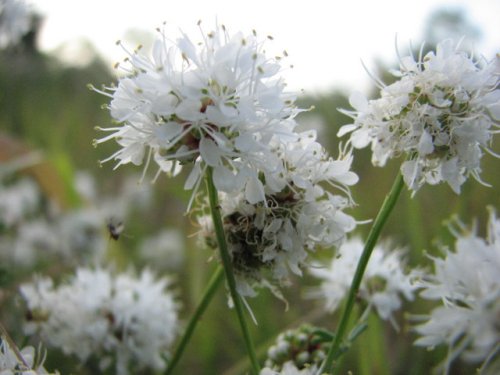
467 283
297 216
18 201
34 232
221 104
441 114
15 21
383 284
20 362
120 319
217 103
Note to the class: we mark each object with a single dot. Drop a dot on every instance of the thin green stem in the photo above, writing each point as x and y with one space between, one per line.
228 269
213 284
13 346
383 214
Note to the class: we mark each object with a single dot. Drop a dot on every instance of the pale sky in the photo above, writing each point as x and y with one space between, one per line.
325 40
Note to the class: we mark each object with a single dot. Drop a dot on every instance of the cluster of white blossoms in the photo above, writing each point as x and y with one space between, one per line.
15 21
467 283
441 114
298 215
19 362
34 230
383 285
221 104
18 200
122 320
215 103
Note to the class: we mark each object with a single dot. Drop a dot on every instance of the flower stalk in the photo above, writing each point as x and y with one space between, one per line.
213 284
382 216
228 269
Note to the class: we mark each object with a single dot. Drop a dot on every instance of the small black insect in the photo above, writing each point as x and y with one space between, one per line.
115 229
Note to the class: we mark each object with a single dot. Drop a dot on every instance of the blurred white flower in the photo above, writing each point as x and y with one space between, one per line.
164 250
384 283
34 240
467 283
32 232
218 102
441 114
124 320
15 21
298 216
17 201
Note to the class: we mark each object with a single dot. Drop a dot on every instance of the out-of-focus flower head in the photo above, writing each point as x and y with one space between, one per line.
467 284
33 231
440 114
383 285
126 320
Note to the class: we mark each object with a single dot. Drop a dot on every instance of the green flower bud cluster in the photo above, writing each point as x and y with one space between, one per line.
304 346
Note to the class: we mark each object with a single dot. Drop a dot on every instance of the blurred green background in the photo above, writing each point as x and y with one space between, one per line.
45 105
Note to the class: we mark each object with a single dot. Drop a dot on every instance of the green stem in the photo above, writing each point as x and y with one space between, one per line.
378 224
228 269
12 345
207 297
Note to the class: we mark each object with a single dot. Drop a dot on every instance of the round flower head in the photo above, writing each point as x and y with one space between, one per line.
207 103
15 21
383 284
297 216
119 319
467 282
441 114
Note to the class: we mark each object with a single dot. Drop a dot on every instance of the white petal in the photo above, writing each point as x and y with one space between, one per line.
425 145
227 181
410 171
346 129
246 142
188 48
254 191
360 138
194 175
358 101
209 152
166 132
189 110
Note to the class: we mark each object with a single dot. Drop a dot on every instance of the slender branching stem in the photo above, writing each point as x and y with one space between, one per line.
228 269
385 210
213 284
12 345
